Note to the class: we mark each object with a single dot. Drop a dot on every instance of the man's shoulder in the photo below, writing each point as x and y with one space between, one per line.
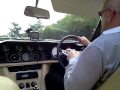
100 41
104 41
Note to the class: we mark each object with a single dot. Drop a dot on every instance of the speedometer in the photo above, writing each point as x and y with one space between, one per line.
54 52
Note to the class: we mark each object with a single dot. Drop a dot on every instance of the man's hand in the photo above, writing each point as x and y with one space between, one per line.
83 40
72 53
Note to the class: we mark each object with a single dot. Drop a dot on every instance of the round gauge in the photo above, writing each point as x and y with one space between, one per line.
25 57
40 48
19 48
48 55
54 52
30 48
5 48
36 56
14 57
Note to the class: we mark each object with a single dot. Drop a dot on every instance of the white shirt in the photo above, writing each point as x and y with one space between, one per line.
113 30
97 62
110 31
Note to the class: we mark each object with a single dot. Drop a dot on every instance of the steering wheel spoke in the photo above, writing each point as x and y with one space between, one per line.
65 52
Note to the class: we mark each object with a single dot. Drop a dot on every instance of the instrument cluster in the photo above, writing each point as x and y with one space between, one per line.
29 51
24 52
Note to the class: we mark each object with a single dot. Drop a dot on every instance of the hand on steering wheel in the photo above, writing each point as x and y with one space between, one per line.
83 40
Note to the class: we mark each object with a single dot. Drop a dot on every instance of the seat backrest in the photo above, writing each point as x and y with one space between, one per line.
7 84
113 82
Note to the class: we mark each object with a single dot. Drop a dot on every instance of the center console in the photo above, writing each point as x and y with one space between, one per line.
28 77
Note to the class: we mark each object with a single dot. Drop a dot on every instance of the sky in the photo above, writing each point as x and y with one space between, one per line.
13 11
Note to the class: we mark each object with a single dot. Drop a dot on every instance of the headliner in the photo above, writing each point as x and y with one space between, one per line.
87 8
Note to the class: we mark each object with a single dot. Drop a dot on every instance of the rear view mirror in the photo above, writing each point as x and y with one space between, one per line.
36 12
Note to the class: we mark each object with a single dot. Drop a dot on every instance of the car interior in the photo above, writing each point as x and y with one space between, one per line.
27 62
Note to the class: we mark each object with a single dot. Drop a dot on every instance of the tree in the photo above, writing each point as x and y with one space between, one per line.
54 33
38 27
15 31
73 25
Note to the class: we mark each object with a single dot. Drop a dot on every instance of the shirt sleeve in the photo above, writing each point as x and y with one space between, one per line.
83 73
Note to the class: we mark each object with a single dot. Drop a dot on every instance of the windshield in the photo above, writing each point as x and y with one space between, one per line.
14 23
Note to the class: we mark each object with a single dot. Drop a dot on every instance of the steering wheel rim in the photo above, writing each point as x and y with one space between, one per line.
59 50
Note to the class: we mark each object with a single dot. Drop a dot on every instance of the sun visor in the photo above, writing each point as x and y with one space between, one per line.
86 8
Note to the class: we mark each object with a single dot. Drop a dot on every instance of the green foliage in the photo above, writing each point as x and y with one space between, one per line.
54 33
15 31
37 26
71 25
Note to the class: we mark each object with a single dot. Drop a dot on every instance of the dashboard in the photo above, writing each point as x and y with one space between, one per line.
27 62
20 51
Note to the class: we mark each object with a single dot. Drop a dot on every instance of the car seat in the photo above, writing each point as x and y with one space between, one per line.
113 82
7 84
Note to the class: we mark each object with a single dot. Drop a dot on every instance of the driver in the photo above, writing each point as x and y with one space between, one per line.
91 67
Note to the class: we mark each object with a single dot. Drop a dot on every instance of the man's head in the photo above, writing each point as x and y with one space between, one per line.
110 14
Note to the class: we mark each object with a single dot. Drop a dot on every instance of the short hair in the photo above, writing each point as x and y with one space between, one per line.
115 4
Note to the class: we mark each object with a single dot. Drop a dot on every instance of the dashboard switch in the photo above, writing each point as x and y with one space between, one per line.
27 85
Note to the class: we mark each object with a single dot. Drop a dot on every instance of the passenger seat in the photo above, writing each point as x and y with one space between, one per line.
7 84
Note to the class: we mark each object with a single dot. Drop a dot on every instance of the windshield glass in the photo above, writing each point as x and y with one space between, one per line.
14 23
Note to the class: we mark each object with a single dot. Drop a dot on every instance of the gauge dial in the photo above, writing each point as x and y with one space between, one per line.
14 57
54 52
36 56
40 48
19 48
25 57
30 48
5 48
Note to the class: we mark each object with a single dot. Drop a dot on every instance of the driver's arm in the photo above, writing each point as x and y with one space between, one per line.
84 70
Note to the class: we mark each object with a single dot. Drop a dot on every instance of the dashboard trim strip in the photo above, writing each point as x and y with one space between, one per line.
28 63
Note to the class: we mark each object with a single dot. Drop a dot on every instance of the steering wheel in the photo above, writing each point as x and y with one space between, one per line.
61 52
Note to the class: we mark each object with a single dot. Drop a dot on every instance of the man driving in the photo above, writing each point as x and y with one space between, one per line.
89 68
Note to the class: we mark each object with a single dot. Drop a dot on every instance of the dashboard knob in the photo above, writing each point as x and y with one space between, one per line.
21 85
35 87
33 84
